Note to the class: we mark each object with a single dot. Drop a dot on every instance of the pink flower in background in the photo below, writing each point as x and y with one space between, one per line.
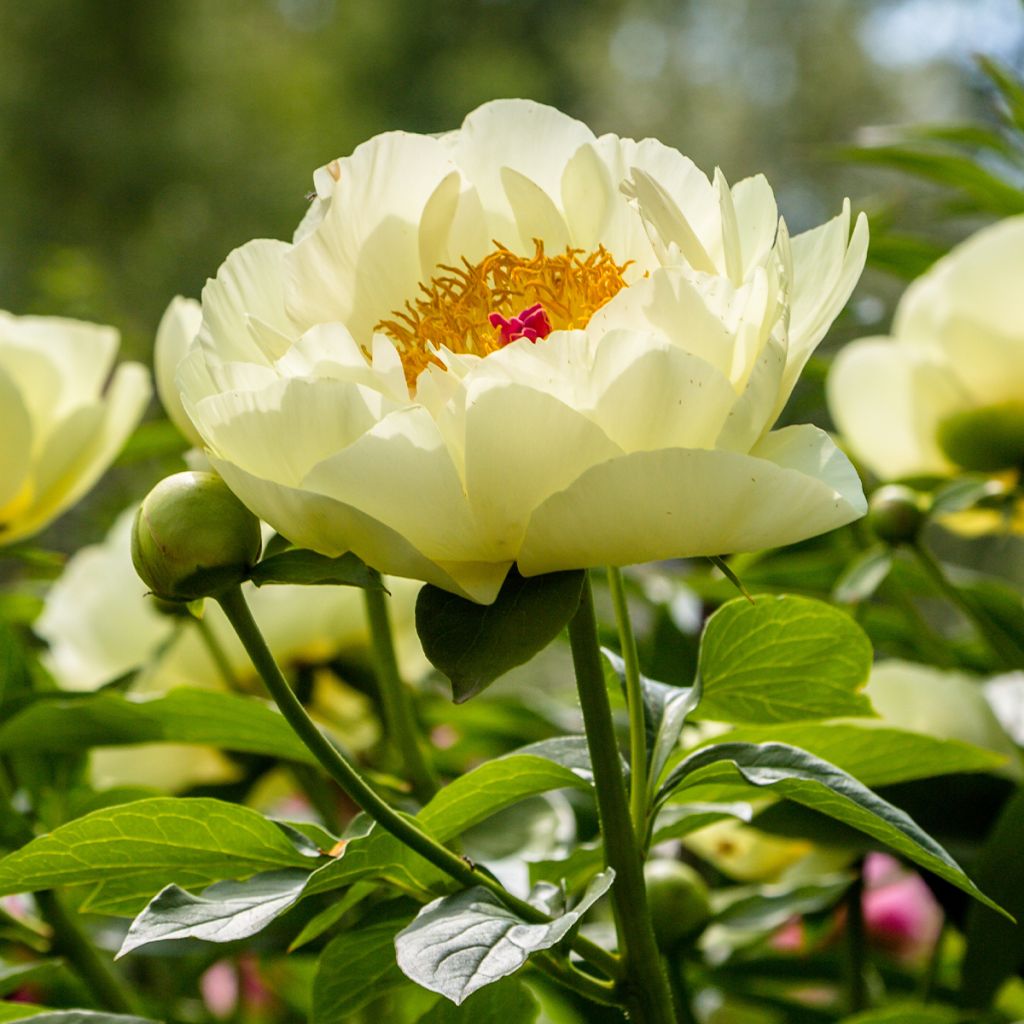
900 913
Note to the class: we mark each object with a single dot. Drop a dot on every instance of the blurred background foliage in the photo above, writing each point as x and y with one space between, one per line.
141 141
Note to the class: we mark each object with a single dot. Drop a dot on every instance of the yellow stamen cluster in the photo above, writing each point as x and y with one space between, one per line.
453 308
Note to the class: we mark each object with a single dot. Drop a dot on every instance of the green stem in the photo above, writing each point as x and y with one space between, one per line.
217 655
676 966
635 701
399 715
338 767
645 987
69 938
1005 652
856 988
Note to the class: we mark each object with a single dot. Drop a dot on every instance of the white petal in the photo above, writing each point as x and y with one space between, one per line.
16 450
535 213
731 259
363 261
757 218
887 400
681 502
249 287
177 330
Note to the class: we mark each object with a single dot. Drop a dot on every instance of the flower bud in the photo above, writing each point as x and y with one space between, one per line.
986 439
896 513
678 898
193 538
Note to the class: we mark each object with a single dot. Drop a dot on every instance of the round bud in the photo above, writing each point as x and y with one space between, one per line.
679 901
987 439
896 513
193 538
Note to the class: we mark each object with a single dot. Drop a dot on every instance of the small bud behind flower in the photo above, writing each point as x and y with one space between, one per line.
193 538
679 901
986 439
896 513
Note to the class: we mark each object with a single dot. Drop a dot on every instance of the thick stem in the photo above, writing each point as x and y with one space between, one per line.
399 715
1004 651
645 985
635 702
338 767
856 987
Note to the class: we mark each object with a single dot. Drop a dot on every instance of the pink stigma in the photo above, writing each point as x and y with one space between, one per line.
531 323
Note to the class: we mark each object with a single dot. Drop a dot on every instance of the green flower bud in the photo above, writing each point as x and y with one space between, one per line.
193 538
987 439
896 513
679 901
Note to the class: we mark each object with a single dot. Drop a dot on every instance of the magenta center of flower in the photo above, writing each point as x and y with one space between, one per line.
532 323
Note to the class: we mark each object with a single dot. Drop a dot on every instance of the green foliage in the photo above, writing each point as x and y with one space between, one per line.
297 565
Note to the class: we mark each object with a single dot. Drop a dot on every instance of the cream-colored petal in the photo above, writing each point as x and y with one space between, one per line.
757 218
401 473
680 502
283 430
753 412
887 400
649 394
16 449
178 329
249 286
332 527
452 226
81 449
522 445
827 263
535 213
531 139
363 261
730 257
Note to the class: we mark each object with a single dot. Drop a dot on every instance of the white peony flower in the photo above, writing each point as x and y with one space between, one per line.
60 429
517 342
177 330
947 389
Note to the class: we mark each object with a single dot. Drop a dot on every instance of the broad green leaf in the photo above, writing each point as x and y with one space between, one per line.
876 755
665 711
995 947
674 821
16 975
863 576
805 779
131 851
570 752
782 659
474 644
507 1002
358 966
766 907
20 1011
226 720
907 1013
331 915
297 565
71 1016
460 943
496 784
224 912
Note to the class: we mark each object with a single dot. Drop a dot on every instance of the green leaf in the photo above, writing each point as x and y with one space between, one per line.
358 966
677 820
570 752
474 644
496 784
72 1017
16 975
907 1013
782 659
183 715
995 947
507 1002
297 565
764 908
131 851
331 915
875 755
665 711
15 671
805 779
224 912
863 576
460 943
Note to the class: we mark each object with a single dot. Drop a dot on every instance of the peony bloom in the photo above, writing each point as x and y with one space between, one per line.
177 330
518 342
947 389
60 430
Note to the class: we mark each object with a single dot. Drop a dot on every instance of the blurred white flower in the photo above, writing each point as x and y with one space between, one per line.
60 429
517 342
947 389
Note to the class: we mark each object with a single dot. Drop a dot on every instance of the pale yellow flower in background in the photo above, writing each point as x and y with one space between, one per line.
61 423
177 330
99 625
518 342
947 388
